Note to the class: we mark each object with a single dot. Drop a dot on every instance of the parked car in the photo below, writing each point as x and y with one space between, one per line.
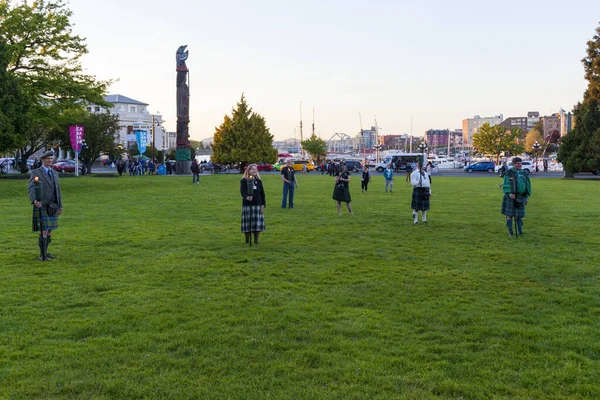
264 167
488 166
65 166
527 166
298 164
353 165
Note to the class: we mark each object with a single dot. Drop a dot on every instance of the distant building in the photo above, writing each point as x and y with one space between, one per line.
133 115
566 122
441 137
366 139
516 122
437 137
533 118
550 123
470 126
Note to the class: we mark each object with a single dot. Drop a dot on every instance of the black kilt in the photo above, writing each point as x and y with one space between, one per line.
509 209
341 194
49 223
252 219
419 202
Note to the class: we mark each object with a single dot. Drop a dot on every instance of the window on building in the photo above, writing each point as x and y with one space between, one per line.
97 109
89 109
132 109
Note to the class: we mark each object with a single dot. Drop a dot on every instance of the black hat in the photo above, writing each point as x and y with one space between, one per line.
48 153
516 160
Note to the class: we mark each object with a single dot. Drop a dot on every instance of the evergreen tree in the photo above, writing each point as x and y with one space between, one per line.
243 138
497 139
316 147
580 149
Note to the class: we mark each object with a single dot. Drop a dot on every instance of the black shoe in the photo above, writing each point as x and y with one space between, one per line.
50 256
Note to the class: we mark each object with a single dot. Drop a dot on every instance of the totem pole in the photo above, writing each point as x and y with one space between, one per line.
183 157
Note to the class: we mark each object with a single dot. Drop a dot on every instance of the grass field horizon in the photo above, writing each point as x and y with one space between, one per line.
155 295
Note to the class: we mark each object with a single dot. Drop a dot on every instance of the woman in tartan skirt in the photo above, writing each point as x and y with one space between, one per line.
253 203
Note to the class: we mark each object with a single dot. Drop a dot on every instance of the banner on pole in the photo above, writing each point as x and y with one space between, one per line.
76 136
141 136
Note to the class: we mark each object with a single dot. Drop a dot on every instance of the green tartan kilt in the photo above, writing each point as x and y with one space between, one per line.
419 202
509 209
49 223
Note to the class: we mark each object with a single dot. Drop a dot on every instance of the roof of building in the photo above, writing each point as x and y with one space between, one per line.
119 98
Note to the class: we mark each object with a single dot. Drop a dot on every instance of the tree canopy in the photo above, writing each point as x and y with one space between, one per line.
580 149
41 63
497 140
316 147
243 137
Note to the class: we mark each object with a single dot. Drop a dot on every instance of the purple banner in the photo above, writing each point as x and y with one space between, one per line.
76 135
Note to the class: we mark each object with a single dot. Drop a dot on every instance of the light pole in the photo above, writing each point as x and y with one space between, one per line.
377 147
536 146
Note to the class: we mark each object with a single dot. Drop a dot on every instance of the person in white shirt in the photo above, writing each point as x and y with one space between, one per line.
421 193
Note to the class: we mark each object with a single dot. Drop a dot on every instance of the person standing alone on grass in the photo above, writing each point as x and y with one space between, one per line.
46 210
388 175
341 192
366 178
421 193
517 190
253 203
195 168
409 170
288 175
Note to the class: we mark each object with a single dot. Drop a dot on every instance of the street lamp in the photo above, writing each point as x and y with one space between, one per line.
536 147
377 148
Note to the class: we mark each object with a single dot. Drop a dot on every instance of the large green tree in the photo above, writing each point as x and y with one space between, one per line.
14 106
243 138
100 135
316 147
580 149
497 140
43 57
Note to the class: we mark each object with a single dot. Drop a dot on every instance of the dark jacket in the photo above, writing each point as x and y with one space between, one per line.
258 198
52 192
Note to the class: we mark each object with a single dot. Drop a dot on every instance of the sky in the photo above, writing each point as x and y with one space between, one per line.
430 62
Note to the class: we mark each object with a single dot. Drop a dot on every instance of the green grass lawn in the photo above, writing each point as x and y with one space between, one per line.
155 295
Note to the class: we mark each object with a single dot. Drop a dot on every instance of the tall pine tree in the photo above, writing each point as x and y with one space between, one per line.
243 138
580 149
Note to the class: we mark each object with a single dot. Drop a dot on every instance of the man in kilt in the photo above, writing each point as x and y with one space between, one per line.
421 193
517 190
253 204
46 211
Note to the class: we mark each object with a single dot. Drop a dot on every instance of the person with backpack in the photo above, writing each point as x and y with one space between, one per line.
517 190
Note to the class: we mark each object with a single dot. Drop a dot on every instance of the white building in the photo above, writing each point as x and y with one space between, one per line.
134 115
472 125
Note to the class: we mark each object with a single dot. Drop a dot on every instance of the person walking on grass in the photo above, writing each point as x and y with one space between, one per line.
45 194
195 168
366 178
421 194
253 204
341 191
288 175
409 170
517 190
388 175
